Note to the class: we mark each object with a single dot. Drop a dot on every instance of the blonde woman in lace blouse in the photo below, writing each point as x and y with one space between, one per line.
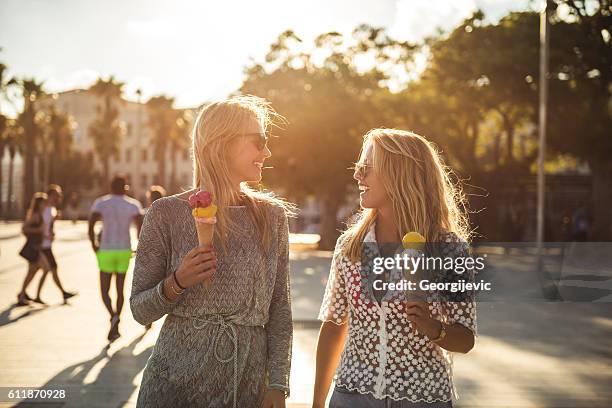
392 349
228 345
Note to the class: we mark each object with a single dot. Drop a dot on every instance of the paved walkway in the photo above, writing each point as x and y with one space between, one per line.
528 354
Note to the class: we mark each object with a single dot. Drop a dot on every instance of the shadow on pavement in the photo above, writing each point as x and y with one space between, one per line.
121 367
533 338
563 330
5 315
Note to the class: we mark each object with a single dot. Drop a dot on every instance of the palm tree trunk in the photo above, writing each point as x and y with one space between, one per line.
28 172
9 194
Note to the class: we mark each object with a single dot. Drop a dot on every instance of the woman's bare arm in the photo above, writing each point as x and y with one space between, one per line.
329 349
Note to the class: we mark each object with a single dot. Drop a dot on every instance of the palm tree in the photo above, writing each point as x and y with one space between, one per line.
13 143
3 143
162 120
59 131
179 142
5 84
30 122
106 130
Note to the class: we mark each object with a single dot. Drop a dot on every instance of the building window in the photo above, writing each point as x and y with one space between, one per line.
143 181
129 129
128 156
186 154
144 155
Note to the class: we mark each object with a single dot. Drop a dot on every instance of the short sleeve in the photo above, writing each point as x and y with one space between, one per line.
460 307
95 207
137 208
335 302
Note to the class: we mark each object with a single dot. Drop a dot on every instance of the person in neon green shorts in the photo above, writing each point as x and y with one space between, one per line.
113 250
115 260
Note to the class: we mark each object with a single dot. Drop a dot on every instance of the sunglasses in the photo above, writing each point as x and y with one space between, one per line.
261 141
360 169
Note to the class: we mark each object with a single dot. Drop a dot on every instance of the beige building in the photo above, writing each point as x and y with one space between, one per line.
136 153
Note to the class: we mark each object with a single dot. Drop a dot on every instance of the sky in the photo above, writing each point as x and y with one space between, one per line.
193 50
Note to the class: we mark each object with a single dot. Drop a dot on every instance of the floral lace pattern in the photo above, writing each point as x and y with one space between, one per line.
385 356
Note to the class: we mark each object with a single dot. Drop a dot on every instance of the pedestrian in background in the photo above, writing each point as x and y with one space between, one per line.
154 193
50 214
117 212
33 227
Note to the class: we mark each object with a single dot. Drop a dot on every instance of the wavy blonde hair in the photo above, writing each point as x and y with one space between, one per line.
419 186
215 126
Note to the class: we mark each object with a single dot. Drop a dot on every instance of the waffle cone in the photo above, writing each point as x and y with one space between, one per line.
205 237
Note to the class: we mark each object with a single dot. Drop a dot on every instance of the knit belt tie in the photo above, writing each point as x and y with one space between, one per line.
222 327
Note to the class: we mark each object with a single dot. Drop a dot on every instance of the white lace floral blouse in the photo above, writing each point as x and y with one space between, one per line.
384 355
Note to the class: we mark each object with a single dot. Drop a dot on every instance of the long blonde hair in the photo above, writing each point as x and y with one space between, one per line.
419 186
216 124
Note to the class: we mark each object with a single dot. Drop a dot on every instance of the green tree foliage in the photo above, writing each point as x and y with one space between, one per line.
179 143
477 99
478 74
328 101
107 130
12 139
162 122
63 165
5 134
31 124
580 112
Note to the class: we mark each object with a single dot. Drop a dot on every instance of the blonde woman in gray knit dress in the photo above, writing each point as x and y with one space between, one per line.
228 345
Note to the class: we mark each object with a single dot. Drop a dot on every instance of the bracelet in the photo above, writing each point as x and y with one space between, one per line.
442 334
177 293
279 387
177 282
174 290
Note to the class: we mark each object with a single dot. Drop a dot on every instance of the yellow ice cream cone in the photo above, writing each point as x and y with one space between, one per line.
413 240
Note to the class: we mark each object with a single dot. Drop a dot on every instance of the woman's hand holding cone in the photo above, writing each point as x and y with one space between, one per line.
198 265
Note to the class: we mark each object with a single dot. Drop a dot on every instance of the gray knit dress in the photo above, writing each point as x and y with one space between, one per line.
226 345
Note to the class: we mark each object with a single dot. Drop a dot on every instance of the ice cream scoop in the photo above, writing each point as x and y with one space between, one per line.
413 240
200 199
